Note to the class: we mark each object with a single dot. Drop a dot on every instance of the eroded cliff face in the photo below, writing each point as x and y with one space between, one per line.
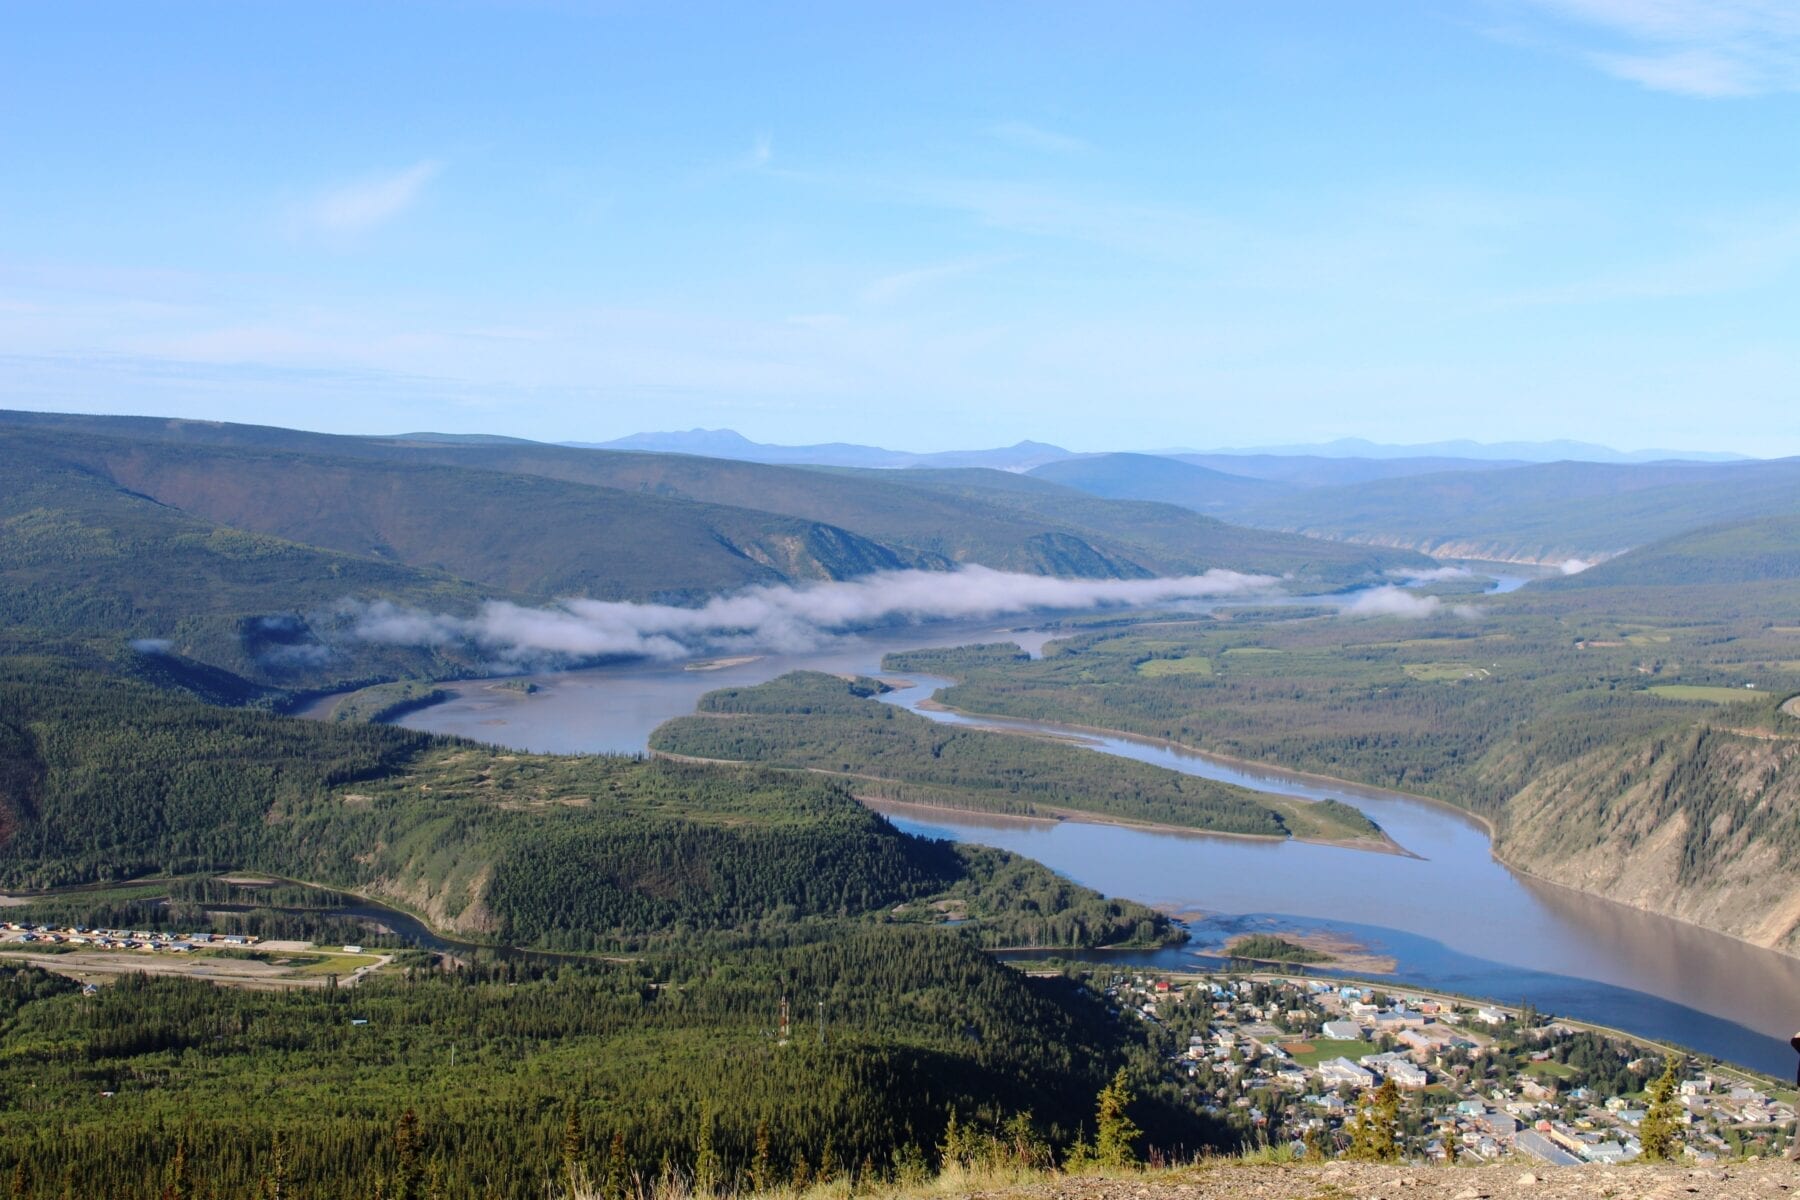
1702 826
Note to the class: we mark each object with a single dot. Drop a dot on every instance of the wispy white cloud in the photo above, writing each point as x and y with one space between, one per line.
1034 137
361 205
762 151
1705 48
901 283
1397 602
778 618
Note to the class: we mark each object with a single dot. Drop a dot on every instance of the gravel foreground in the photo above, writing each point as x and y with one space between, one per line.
1361 1181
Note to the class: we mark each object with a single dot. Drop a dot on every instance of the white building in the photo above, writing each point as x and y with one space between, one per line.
1342 1070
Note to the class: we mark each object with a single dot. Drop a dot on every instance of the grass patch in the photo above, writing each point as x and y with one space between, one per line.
1159 668
1325 1049
1328 820
1443 672
1705 694
1252 650
1550 1070
337 964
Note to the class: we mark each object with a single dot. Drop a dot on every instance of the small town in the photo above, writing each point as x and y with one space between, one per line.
121 939
1289 1060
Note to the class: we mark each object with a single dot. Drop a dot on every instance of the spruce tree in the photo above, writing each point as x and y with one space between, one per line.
409 1172
1115 1134
762 1170
706 1154
275 1178
1659 1133
616 1168
1374 1135
574 1147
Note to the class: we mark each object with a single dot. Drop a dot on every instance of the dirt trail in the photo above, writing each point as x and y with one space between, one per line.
1516 1179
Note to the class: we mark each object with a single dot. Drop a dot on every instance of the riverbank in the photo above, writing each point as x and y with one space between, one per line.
999 723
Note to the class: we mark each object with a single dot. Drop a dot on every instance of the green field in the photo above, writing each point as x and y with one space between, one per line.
1710 695
1443 672
1550 1070
1324 1049
1192 664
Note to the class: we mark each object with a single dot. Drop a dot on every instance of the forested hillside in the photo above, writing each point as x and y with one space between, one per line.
107 780
1646 757
1168 480
1755 551
516 1072
82 556
912 514
511 534
1545 512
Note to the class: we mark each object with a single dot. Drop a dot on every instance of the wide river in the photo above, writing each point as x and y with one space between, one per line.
1451 917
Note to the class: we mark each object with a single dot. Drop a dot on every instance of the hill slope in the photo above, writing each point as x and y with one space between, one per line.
1168 480
1544 513
922 517
517 534
1754 551
81 556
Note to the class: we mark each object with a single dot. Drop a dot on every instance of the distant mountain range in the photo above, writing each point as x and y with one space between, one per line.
1026 455
1561 450
728 443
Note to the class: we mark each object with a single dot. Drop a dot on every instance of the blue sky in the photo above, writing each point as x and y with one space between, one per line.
922 225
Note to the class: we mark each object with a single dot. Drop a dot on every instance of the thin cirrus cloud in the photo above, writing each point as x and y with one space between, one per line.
1034 137
1707 48
364 204
893 287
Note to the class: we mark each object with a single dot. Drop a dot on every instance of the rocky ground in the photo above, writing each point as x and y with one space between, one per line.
1357 1181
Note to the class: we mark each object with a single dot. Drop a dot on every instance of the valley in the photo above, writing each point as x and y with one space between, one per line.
947 718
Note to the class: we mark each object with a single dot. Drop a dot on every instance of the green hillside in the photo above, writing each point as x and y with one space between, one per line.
81 556
1549 511
1168 480
1753 551
717 893
514 534
1172 539
926 517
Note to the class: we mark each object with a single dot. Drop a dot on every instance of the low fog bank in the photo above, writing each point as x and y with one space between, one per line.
771 619
1398 602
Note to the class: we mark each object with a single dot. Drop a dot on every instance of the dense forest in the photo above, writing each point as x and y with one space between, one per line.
105 779
716 892
892 1031
811 721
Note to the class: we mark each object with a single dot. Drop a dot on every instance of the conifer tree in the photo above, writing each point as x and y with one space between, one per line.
762 1170
616 1169
1658 1133
954 1149
275 1178
828 1161
179 1187
409 1172
1374 1134
1115 1134
800 1174
574 1147
706 1154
